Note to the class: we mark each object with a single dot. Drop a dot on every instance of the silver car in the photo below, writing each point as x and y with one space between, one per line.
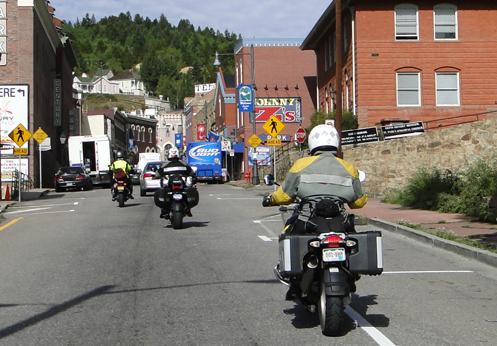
150 178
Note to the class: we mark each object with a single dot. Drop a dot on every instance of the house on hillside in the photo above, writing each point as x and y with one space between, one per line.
129 83
402 61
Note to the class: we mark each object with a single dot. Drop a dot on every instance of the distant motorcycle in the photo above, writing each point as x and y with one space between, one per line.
177 195
120 190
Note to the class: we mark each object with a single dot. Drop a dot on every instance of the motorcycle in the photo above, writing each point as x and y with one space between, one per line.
120 190
177 195
321 265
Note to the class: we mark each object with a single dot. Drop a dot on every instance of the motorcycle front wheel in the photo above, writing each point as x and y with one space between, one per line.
120 199
331 311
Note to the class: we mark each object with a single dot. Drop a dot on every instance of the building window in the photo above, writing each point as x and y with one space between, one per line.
406 22
408 91
447 84
445 21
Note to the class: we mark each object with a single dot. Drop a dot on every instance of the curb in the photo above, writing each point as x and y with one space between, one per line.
467 251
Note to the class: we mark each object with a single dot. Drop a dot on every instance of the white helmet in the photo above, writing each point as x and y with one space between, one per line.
173 152
323 137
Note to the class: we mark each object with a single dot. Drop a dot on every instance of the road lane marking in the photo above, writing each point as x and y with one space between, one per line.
430 272
269 231
379 337
264 238
10 223
25 210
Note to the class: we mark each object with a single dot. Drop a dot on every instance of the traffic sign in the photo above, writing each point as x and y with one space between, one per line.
273 141
20 135
273 126
40 135
254 141
20 151
300 135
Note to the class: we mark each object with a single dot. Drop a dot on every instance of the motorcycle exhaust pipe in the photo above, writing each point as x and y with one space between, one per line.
313 262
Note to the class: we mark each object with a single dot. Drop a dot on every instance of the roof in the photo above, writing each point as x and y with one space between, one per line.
319 29
126 75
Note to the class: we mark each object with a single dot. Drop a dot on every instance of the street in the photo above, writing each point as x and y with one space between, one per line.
78 270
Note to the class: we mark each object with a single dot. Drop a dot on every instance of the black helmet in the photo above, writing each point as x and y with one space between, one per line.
119 154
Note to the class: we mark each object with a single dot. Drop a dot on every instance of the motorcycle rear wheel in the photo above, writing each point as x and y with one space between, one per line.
120 199
177 219
331 313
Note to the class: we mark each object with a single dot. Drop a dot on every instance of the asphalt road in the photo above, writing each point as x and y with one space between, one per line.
78 270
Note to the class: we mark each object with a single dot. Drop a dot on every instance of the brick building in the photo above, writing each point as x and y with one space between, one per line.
430 61
36 57
284 86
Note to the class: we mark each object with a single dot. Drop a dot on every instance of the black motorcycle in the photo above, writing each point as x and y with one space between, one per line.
177 195
120 190
322 262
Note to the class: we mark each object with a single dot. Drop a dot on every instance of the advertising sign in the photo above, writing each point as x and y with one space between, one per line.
364 135
403 130
201 132
286 109
245 98
261 154
14 110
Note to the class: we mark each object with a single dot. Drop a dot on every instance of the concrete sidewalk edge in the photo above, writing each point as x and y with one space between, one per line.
467 251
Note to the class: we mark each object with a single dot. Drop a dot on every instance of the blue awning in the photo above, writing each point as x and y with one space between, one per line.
239 148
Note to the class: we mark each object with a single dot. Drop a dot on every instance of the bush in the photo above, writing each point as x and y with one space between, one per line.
469 192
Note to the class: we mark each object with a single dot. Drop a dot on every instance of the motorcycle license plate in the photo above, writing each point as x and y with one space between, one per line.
120 188
177 196
334 255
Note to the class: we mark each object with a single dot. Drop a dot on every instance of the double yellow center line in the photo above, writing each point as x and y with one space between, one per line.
10 223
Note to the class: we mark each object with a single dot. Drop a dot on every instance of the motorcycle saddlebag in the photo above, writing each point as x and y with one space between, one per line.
159 198
292 249
368 257
192 196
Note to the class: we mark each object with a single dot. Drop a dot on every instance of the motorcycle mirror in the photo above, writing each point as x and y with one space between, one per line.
362 175
269 179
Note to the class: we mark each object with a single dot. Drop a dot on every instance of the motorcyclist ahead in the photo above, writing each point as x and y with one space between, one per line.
122 164
176 166
318 175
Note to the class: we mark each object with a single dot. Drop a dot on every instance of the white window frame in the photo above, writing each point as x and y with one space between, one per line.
438 22
406 8
454 90
405 89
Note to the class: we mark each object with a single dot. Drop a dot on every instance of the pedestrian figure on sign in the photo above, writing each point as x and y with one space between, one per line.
274 126
20 134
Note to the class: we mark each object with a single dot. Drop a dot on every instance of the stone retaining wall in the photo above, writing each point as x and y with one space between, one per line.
390 164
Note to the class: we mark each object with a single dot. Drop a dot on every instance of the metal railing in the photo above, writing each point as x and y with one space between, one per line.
455 120
22 181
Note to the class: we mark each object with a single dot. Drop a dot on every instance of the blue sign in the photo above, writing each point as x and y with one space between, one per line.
245 98
178 140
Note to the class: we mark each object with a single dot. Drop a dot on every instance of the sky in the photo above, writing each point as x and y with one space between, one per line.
250 18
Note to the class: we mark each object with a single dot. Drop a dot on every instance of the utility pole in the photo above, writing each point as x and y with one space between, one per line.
338 73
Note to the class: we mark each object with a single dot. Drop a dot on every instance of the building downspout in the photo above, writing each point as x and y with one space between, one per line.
353 63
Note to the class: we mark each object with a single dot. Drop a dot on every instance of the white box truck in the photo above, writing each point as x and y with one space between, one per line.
94 154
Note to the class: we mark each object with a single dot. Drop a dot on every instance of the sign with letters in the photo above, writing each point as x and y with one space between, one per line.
14 110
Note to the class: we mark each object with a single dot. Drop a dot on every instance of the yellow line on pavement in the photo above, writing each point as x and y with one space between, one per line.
10 223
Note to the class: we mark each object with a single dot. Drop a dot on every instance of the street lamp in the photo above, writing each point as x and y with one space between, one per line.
255 171
63 139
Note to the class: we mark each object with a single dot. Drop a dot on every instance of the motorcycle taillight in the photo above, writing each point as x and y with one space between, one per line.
333 241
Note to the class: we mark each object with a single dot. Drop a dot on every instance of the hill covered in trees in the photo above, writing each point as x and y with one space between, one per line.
157 50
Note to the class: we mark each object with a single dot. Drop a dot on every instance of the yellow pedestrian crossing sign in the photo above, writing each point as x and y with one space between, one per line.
273 126
20 135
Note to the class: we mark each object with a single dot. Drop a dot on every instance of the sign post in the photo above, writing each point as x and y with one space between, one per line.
40 136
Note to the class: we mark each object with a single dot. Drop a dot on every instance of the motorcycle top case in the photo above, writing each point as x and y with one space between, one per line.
367 259
292 249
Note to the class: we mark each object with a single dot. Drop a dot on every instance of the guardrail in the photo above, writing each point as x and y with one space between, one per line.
455 120
22 181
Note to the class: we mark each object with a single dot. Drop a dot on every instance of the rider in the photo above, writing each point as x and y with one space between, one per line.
121 163
176 166
317 175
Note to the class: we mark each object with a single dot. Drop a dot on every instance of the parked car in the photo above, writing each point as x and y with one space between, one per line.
149 177
135 177
72 177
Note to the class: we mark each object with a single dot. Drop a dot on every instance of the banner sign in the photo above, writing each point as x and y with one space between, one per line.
201 132
245 98
403 130
286 109
364 135
14 110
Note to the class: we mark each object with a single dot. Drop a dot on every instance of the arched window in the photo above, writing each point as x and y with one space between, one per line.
406 22
150 134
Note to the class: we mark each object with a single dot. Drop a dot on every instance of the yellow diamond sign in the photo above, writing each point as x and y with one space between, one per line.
20 135
273 126
254 141
40 135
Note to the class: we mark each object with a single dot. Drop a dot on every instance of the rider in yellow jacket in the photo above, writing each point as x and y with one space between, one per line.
321 174
121 163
